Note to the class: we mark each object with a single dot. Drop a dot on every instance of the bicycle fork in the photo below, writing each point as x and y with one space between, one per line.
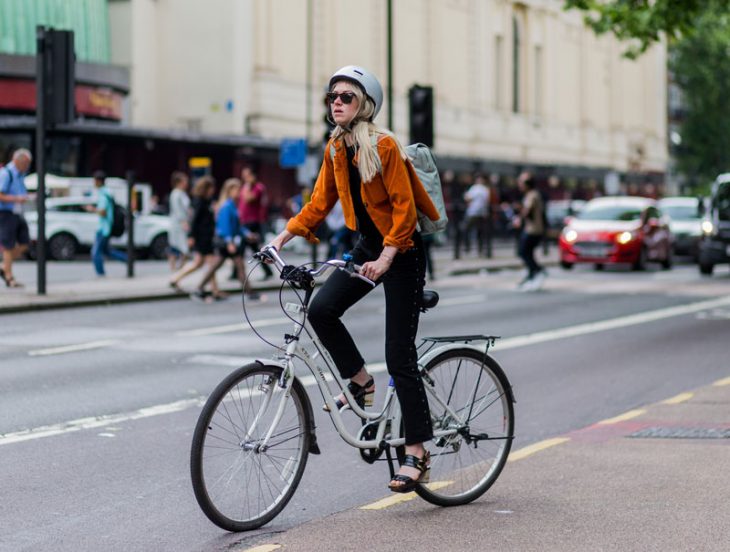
285 382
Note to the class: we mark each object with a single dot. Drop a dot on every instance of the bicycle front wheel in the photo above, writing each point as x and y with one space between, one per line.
239 484
475 399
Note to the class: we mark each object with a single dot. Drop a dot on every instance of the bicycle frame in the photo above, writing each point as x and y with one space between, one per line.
391 408
390 411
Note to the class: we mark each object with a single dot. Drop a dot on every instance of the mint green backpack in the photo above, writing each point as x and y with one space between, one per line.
424 164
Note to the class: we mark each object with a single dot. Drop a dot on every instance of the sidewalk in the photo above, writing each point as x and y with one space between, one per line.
73 284
655 478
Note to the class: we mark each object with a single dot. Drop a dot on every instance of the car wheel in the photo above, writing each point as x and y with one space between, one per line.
158 247
62 247
599 266
706 269
566 265
640 263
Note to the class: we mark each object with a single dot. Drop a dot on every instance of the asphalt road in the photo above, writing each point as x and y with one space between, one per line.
116 392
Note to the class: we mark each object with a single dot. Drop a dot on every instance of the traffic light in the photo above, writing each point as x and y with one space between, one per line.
58 64
420 114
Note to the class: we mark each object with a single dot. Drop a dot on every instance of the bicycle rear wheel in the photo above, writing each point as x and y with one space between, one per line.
466 464
237 485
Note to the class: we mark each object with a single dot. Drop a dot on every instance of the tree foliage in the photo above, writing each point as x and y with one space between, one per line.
641 23
701 67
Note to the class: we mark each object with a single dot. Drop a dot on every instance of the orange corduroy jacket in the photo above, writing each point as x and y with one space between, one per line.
390 198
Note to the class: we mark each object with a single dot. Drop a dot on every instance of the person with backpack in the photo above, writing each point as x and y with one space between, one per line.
109 225
367 169
14 236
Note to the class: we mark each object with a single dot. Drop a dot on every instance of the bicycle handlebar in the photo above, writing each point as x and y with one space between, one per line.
269 253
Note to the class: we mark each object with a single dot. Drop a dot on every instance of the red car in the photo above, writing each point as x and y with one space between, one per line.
611 230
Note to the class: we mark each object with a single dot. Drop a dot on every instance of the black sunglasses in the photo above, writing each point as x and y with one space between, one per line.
346 97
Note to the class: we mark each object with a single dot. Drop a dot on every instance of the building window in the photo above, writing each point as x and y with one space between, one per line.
498 73
516 57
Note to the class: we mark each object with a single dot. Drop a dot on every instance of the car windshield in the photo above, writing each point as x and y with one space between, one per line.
681 212
611 212
721 201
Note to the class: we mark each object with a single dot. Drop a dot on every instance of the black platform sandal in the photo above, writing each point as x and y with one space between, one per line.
406 484
363 394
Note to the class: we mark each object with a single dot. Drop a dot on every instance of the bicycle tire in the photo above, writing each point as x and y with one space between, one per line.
458 475
238 487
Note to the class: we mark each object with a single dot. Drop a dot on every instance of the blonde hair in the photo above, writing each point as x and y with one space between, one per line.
228 185
361 128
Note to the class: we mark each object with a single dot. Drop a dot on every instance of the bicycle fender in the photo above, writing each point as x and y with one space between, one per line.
313 446
433 353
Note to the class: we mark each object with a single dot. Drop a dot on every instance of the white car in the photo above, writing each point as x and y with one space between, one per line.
685 222
70 228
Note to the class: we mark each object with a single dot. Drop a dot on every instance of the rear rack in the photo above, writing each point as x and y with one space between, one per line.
430 342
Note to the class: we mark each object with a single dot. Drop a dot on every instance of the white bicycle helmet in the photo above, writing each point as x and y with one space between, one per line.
365 80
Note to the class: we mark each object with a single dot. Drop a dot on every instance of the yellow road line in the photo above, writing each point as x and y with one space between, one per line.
623 417
404 497
537 447
264 548
722 382
682 397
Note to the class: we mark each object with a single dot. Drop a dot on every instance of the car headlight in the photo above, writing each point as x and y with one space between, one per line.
707 227
570 235
624 237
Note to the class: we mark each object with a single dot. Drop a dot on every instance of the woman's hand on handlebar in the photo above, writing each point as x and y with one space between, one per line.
375 269
279 241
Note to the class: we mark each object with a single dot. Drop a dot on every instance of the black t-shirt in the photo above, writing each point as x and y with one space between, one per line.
365 224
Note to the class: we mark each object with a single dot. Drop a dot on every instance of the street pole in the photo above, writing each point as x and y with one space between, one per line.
40 156
130 224
308 91
390 65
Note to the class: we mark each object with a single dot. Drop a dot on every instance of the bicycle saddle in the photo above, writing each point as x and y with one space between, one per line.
429 299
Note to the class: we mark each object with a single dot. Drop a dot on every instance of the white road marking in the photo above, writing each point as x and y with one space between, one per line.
97 421
611 324
509 343
73 348
238 327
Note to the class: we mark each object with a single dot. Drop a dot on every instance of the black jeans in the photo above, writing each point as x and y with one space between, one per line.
403 285
528 243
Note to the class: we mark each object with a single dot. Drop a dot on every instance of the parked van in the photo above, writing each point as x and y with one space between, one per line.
715 244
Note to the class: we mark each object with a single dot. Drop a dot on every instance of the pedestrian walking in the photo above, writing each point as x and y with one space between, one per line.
532 228
14 237
177 235
477 211
253 210
379 190
105 209
228 241
200 233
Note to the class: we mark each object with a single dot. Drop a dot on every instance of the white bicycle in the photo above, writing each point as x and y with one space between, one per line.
256 430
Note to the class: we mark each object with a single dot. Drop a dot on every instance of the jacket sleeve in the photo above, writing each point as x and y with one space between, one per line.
397 181
323 199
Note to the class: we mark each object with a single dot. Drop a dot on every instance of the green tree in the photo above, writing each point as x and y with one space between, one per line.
641 23
701 67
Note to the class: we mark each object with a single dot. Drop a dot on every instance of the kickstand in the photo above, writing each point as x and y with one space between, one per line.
390 462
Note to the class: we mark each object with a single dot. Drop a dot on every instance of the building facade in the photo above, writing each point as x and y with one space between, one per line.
516 83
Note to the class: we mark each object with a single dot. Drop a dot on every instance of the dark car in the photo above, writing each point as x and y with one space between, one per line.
715 243
613 230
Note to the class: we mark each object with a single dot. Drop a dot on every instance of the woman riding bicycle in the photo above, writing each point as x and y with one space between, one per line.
379 191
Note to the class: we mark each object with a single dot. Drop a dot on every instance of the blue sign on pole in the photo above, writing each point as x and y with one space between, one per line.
292 152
